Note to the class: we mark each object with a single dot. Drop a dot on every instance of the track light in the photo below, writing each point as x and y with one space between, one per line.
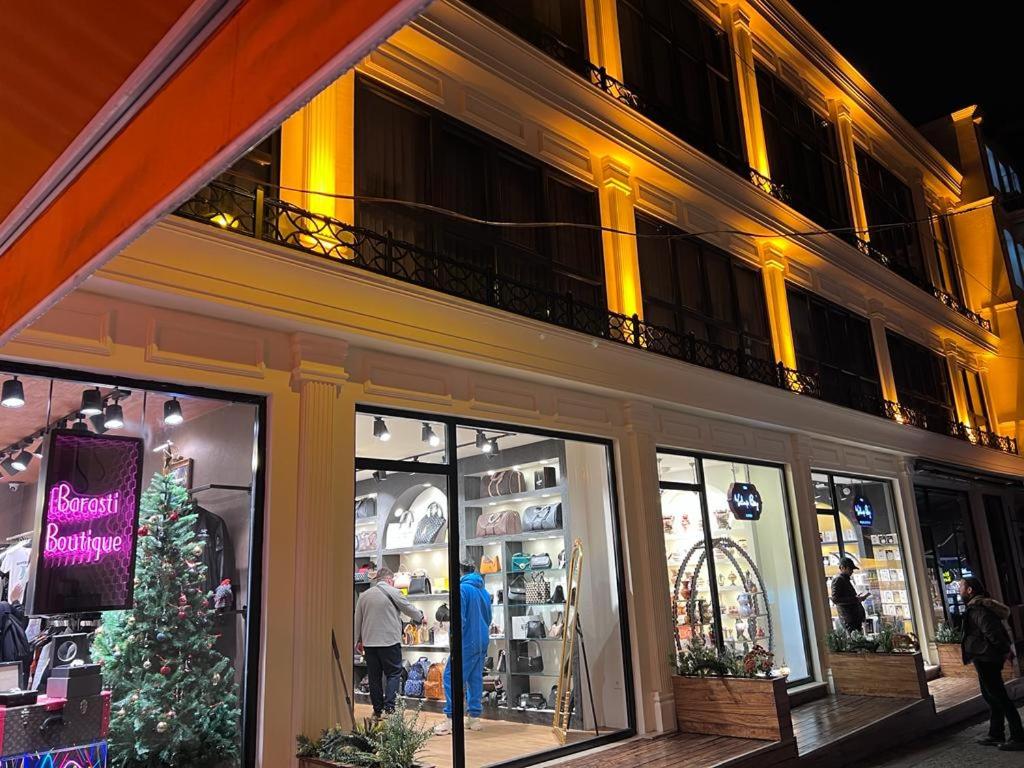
379 475
98 421
21 461
113 418
7 465
430 436
482 444
92 402
12 394
492 447
380 429
38 452
172 412
79 425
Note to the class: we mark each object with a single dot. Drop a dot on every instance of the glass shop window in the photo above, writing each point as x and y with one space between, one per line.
950 549
857 519
746 593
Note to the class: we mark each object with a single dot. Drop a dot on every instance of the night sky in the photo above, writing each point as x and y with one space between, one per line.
931 58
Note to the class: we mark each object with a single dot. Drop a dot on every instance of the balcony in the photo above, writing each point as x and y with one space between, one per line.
253 213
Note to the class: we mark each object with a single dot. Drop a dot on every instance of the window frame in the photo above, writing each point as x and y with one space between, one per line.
926 403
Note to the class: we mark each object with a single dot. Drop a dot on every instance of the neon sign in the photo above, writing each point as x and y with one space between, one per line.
744 501
864 511
85 558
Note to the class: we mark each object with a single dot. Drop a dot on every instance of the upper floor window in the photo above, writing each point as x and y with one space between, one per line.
1015 255
888 201
803 154
945 258
922 381
692 287
407 151
1004 178
557 27
678 64
836 345
975 397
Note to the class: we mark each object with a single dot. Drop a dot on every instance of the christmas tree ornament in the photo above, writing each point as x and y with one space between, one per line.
182 600
162 727
154 519
173 517
182 614
161 637
197 550
147 664
170 714
165 670
216 678
143 531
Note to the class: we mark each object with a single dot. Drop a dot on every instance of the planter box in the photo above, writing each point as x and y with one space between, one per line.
899 675
952 664
747 708
316 762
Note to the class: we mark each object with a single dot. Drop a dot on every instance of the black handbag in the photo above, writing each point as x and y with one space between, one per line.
517 589
532 662
532 701
419 584
535 629
502 663
431 528
553 697
547 517
366 508
443 613
558 596
540 561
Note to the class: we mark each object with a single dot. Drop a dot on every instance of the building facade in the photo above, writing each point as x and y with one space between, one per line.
744 269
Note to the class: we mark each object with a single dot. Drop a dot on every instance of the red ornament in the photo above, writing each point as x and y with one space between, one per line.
182 600
143 530
173 516
165 670
205 603
182 614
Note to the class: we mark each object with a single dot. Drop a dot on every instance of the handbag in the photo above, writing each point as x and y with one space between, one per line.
538 589
544 478
532 701
504 522
502 666
561 559
531 662
540 561
506 483
490 564
400 534
535 629
363 575
557 626
443 613
520 561
366 508
517 589
543 518
431 528
559 595
419 584
366 541
553 697
402 579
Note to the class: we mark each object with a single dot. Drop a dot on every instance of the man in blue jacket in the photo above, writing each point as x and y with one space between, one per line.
476 626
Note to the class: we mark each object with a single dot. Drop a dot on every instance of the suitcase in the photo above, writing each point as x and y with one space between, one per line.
54 724
73 687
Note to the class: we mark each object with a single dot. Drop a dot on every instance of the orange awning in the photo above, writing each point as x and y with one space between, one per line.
254 68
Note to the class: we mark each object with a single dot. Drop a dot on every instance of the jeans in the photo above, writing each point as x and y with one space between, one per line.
1001 707
384 668
472 682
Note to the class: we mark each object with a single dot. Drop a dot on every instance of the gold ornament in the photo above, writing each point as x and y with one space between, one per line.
216 678
162 727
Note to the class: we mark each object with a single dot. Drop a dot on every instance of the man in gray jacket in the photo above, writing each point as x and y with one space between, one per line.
378 635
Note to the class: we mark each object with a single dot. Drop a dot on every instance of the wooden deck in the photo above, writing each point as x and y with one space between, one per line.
687 750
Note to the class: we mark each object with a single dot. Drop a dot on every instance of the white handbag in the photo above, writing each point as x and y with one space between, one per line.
400 535
519 627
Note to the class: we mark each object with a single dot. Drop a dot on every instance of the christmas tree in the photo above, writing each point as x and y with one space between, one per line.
174 699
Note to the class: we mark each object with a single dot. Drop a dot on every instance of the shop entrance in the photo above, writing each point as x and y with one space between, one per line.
467 532
950 552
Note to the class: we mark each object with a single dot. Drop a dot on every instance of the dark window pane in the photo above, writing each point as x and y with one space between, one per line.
557 27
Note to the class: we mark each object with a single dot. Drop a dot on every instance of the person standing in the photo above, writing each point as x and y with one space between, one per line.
986 645
378 635
476 624
846 599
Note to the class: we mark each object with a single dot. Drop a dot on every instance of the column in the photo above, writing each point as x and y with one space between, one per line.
918 577
773 273
737 26
848 156
990 410
317 376
952 354
644 544
603 36
881 345
924 229
621 262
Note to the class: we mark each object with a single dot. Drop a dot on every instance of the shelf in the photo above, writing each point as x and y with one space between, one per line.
415 549
537 640
496 637
368 553
485 541
536 605
528 570
531 674
367 521
527 709
538 495
425 647
431 596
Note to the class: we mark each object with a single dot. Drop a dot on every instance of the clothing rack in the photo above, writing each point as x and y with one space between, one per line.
219 487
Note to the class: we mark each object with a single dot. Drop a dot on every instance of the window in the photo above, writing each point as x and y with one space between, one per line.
1002 547
433 495
803 154
406 151
950 553
1015 253
1004 178
975 399
922 381
557 27
888 201
680 67
748 592
692 287
836 345
857 519
945 258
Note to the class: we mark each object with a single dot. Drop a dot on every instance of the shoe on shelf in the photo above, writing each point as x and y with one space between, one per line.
988 741
1013 745
443 728
475 723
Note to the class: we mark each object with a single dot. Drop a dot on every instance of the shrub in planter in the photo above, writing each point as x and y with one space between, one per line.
885 664
947 643
391 742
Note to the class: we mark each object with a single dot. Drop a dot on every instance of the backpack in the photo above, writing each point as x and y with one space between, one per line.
417 676
433 688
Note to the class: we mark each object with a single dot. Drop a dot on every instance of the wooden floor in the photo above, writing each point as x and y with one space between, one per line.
949 692
819 724
681 750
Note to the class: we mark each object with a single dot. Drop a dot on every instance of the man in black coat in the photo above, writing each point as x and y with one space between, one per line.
845 597
986 645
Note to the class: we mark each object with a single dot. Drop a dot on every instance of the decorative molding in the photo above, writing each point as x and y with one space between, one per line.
72 331
576 410
407 72
656 201
317 358
501 396
615 175
495 117
567 154
193 344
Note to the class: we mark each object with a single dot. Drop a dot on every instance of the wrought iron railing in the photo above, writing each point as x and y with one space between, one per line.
249 211
955 304
765 184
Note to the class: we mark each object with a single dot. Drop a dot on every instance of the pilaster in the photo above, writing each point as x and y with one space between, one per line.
880 342
914 561
737 25
924 229
952 355
603 36
773 273
318 375
621 260
840 114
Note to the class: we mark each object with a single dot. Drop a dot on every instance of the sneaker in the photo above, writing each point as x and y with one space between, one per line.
443 728
988 741
1012 746
475 723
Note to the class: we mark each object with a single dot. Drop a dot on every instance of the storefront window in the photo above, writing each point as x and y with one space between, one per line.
530 620
746 594
856 519
93 473
949 549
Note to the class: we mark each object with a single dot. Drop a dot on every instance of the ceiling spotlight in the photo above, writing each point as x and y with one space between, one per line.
98 422
379 475
13 393
113 417
92 402
164 446
21 461
482 443
429 436
492 447
38 452
7 465
79 425
172 412
380 429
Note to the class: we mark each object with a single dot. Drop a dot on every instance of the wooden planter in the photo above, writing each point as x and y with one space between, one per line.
951 662
747 708
900 675
316 762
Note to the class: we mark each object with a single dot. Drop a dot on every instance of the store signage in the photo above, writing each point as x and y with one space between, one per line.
744 501
864 511
85 557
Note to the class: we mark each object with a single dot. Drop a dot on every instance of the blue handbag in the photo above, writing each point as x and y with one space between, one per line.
520 561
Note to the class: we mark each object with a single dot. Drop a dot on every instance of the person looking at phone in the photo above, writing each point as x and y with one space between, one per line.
846 599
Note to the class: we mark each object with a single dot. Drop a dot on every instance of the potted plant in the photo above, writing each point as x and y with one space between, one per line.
723 694
947 643
884 664
391 742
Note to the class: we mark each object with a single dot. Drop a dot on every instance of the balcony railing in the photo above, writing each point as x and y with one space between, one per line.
765 184
253 213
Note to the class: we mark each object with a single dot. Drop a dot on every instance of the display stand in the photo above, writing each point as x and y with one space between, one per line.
567 673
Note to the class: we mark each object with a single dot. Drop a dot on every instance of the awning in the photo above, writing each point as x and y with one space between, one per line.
259 60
